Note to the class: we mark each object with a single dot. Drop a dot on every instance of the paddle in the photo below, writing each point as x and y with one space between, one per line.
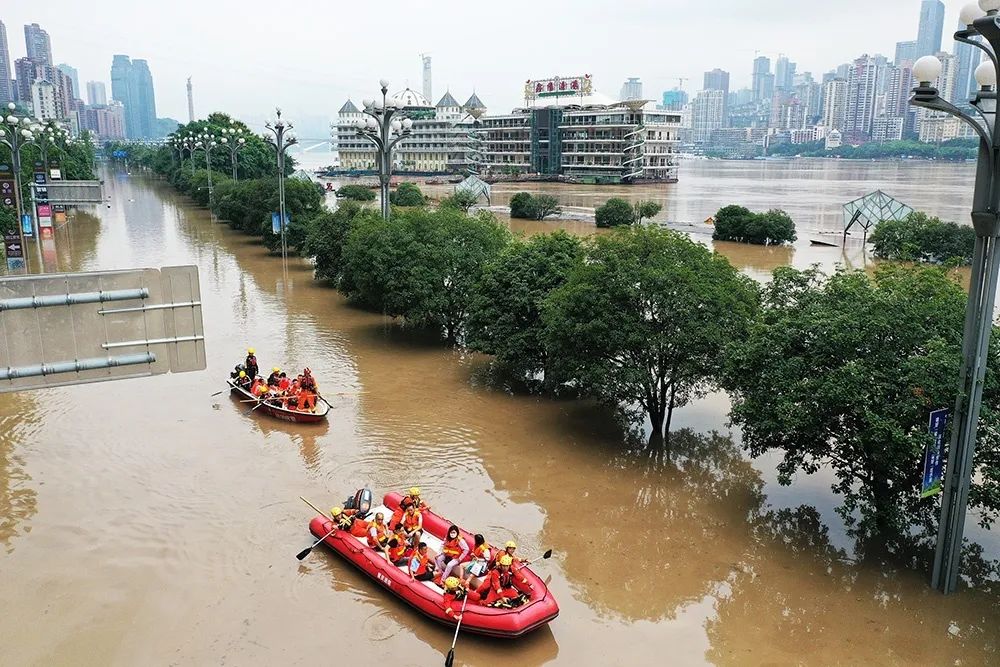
318 510
260 402
545 556
221 392
305 552
450 660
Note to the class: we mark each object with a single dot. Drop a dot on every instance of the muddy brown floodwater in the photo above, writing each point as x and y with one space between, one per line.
146 523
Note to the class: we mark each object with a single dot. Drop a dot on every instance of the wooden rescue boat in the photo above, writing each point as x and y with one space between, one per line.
273 408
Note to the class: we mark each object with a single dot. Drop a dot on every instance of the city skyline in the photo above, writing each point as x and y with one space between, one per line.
310 82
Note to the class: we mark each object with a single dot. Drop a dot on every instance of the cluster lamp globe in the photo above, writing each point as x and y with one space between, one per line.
970 13
986 74
989 6
928 68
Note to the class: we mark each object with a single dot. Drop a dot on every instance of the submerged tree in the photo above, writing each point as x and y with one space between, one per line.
505 313
843 372
643 322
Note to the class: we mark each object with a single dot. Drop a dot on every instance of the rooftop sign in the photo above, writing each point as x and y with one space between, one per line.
558 86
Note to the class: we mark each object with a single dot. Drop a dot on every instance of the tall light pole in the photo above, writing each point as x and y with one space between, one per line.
384 129
235 143
15 134
982 20
281 141
190 143
208 141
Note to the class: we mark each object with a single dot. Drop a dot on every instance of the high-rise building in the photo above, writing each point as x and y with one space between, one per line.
718 79
931 28
105 121
97 94
862 93
763 80
38 44
674 100
44 102
24 75
6 85
132 85
784 73
899 84
428 88
73 76
835 104
965 82
631 89
708 113
906 52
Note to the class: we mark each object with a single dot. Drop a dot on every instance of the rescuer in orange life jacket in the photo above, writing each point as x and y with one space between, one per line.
420 566
454 592
499 585
412 498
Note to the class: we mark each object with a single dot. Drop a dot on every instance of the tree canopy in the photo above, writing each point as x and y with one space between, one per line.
615 212
737 223
420 265
643 322
505 317
533 207
407 194
922 238
843 371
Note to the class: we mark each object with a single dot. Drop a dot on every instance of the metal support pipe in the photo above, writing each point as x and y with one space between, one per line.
76 366
22 303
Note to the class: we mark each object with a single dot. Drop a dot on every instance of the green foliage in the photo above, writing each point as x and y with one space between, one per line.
843 372
646 209
736 223
8 220
407 194
303 201
421 265
505 313
643 322
527 206
325 238
462 200
196 185
954 149
615 213
921 238
356 192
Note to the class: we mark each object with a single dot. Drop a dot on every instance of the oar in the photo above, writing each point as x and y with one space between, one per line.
259 403
450 660
318 510
545 556
222 392
305 552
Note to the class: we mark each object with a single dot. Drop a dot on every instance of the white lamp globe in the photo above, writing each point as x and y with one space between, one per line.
27 134
385 84
11 106
224 140
989 5
928 68
407 123
12 119
970 13
368 103
986 74
242 141
396 125
371 123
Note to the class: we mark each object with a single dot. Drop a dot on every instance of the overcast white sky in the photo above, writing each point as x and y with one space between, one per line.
309 57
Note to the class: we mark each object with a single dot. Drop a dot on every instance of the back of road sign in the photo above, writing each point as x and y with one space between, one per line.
74 328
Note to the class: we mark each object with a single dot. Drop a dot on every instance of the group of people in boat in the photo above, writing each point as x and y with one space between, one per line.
482 573
298 393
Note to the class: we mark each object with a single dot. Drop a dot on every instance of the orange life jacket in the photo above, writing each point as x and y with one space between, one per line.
411 521
422 562
395 553
380 534
359 528
451 548
482 551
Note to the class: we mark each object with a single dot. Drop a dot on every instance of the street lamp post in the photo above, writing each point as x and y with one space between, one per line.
191 143
281 141
384 130
235 144
15 134
208 141
982 20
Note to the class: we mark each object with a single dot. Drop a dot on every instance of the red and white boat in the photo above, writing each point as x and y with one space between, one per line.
278 412
427 597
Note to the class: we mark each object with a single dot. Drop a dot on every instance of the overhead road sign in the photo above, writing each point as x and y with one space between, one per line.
75 328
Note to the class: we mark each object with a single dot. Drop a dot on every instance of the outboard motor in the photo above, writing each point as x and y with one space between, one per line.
360 501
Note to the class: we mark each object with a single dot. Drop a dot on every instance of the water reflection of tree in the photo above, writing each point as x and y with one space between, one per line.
653 532
795 598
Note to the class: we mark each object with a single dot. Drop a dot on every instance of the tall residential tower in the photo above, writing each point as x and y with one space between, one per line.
38 44
931 28
6 84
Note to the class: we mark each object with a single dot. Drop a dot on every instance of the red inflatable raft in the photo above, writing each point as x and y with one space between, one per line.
428 598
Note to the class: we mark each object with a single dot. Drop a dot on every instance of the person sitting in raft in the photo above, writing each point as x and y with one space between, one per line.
250 364
453 551
454 592
498 589
283 382
412 498
308 381
378 533
350 521
242 380
396 550
305 400
412 524
274 377
508 549
482 555
421 568
259 388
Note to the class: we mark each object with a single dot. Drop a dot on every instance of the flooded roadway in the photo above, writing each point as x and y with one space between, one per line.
145 522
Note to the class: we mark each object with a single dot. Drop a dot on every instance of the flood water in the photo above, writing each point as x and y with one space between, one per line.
145 522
